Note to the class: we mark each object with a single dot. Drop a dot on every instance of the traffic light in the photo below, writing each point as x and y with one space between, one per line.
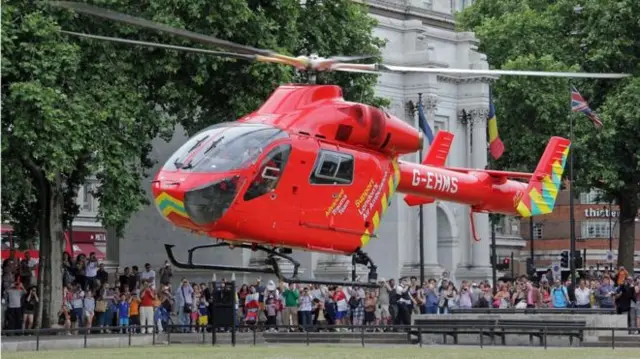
503 264
579 261
531 269
564 259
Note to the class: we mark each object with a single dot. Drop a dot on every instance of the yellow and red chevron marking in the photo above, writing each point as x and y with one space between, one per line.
168 204
540 196
385 201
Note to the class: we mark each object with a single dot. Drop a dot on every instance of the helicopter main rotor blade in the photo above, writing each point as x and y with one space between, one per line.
161 46
389 68
356 71
205 39
349 58
502 72
231 55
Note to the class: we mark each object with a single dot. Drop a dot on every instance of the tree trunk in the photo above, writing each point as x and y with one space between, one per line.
626 244
52 245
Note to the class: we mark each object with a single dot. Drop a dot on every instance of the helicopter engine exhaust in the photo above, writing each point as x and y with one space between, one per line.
321 109
370 127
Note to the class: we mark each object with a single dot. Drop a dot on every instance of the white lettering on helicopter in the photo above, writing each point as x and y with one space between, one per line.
435 181
339 204
374 195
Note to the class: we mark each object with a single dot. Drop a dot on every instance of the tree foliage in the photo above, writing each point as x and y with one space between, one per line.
75 107
597 36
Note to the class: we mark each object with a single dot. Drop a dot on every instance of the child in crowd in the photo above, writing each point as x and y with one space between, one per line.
89 308
134 311
123 313
271 308
203 314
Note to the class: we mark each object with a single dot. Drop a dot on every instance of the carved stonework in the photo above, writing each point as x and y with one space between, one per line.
430 101
466 80
479 114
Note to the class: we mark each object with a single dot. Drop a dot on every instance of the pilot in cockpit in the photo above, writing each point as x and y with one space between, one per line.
252 150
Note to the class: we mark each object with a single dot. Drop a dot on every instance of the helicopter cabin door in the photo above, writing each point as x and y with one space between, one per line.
338 178
267 193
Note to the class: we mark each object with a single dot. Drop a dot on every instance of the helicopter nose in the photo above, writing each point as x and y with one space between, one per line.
195 206
207 204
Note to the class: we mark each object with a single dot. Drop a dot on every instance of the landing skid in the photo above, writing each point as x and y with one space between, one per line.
272 266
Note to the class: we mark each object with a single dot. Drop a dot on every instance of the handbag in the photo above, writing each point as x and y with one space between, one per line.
101 306
186 307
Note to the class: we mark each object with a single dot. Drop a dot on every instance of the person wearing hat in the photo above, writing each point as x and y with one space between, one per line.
272 303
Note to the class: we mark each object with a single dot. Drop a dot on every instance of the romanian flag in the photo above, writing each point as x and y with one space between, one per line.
496 147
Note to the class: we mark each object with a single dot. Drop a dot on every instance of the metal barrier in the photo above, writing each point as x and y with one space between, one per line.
586 311
255 332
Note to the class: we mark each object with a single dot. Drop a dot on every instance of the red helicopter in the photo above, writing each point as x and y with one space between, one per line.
311 171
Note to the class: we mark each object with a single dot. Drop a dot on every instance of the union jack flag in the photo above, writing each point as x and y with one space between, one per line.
578 104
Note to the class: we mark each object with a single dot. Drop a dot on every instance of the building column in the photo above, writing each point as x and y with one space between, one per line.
432 267
432 264
113 246
481 249
431 238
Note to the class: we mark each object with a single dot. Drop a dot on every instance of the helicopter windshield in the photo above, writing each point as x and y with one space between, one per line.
223 147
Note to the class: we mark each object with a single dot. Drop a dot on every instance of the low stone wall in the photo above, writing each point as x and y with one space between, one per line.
70 342
590 335
59 342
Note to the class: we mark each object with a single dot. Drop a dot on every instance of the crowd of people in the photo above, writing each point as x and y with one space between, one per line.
393 303
142 301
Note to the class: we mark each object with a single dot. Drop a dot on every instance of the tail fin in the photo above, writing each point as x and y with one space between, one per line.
439 149
540 196
437 157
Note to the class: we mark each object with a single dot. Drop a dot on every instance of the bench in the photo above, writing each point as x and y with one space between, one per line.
453 327
585 311
497 328
538 328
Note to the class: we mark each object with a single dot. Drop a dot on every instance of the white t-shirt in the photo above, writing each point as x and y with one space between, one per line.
583 296
305 303
342 305
92 269
149 276
77 300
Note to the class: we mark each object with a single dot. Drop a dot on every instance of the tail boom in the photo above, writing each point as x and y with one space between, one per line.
489 191
478 189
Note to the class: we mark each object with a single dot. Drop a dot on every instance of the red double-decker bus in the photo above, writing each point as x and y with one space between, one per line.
11 243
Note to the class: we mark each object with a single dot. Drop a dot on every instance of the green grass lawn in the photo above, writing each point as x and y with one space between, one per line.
328 352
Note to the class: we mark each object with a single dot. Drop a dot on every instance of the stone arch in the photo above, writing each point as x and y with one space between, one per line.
446 222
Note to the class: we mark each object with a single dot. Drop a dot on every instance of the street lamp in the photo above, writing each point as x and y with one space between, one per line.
610 213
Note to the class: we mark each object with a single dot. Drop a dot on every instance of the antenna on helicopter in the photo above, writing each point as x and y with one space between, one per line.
312 74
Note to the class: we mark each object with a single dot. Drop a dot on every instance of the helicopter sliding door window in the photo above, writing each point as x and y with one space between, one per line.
333 168
269 172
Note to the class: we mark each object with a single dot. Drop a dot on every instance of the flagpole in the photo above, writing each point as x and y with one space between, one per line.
572 220
421 220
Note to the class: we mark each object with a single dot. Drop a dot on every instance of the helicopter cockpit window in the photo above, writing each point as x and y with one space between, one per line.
333 168
269 172
223 147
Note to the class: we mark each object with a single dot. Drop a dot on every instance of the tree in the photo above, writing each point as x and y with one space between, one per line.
67 111
559 36
73 107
